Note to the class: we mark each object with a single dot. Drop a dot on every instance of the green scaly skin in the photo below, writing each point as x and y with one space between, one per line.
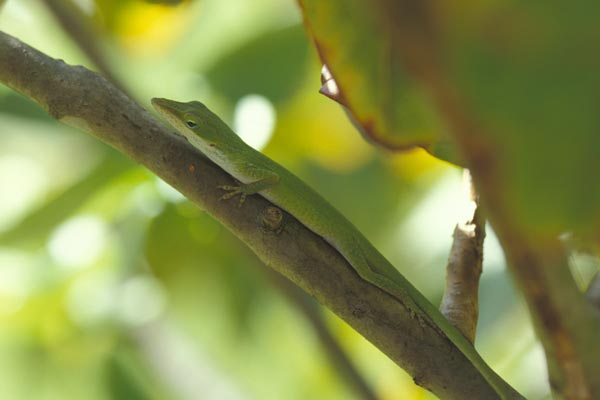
259 174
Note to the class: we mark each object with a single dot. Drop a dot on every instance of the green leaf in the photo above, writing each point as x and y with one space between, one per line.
271 64
524 73
355 39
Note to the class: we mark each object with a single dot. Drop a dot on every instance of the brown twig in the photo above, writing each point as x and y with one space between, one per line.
460 302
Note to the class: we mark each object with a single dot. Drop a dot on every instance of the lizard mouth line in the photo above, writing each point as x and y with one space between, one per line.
162 104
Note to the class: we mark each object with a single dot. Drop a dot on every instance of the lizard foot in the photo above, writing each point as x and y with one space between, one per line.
233 191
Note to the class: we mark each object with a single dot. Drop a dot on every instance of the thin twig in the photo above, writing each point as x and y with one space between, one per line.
460 302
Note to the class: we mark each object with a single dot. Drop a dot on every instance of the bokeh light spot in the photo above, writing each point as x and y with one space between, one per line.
141 299
23 182
78 242
254 120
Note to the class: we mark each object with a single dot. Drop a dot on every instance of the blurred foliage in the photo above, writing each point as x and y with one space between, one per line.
366 62
522 71
112 286
540 86
276 80
169 2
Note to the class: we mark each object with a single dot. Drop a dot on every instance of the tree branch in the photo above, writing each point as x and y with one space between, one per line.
81 98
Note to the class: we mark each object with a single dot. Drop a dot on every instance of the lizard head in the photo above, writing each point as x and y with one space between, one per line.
196 122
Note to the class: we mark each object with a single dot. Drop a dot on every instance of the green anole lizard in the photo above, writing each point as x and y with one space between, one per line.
259 174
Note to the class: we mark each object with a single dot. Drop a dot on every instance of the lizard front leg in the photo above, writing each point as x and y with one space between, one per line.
270 179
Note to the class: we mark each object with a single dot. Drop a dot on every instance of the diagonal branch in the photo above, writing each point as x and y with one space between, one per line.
81 98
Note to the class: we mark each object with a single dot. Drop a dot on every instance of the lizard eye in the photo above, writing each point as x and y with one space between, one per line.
191 124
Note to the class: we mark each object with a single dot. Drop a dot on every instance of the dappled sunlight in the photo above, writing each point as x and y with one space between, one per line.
78 242
16 280
27 187
87 6
90 300
314 129
146 29
426 233
139 300
149 197
167 192
254 120
183 365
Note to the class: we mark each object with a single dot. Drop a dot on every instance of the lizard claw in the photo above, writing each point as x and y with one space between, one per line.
233 191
